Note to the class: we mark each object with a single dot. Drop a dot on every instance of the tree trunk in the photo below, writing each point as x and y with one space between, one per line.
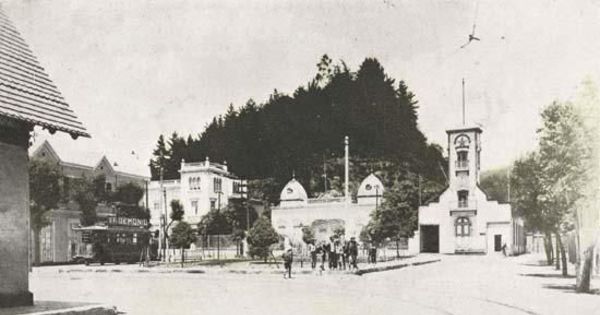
557 251
182 256
397 248
584 276
548 248
563 256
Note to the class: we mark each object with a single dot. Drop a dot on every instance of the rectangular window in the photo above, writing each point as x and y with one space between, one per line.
463 198
157 206
213 204
195 206
217 184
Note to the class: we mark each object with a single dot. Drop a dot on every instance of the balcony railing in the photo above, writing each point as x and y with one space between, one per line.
462 164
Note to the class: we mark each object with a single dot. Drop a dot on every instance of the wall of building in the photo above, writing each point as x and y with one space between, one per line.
289 221
491 217
14 224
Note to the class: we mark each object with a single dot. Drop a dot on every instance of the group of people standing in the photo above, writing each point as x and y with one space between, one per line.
337 253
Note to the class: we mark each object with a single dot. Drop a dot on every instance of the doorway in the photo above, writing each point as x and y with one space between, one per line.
430 238
497 242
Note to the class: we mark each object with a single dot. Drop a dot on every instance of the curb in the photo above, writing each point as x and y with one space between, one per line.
245 271
95 309
392 267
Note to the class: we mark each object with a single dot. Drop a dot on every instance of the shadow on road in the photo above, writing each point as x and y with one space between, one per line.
536 264
569 288
546 275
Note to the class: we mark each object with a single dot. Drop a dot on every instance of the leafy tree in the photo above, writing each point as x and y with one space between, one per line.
129 193
527 193
182 237
260 237
397 217
215 222
176 211
563 152
495 184
44 187
85 197
301 132
587 106
308 235
159 162
99 191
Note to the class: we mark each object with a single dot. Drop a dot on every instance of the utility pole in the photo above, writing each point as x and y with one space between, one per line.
463 101
420 201
346 169
165 222
324 175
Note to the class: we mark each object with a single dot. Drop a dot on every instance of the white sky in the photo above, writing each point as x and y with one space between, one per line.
132 70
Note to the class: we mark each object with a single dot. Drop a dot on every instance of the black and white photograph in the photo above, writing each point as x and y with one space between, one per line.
299 157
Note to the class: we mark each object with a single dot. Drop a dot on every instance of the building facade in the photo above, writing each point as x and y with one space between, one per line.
28 98
202 186
464 219
325 214
58 241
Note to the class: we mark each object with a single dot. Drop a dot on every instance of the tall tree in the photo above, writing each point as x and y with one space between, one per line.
563 152
44 187
85 197
397 217
260 237
182 237
299 133
527 194
159 161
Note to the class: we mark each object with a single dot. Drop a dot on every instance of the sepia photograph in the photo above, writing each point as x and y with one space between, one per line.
299 157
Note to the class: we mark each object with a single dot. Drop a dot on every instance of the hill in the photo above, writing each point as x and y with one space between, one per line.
303 134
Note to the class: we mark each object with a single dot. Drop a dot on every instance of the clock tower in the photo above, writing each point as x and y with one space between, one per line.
464 149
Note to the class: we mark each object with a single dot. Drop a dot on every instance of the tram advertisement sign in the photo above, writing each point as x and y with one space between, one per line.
127 221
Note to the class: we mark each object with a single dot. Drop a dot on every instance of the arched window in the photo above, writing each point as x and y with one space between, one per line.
463 227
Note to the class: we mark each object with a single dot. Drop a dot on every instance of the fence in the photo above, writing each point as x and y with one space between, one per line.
209 247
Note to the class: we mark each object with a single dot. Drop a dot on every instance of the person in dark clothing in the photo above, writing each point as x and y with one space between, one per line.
288 259
323 249
330 254
373 254
353 252
312 249
344 255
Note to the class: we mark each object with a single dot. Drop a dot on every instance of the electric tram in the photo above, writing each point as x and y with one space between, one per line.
124 240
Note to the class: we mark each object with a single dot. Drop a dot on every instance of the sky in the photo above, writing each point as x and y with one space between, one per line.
132 70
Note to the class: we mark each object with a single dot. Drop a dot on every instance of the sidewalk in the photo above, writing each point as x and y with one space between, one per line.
57 308
247 267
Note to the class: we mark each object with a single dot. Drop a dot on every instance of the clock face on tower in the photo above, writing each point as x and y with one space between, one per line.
462 141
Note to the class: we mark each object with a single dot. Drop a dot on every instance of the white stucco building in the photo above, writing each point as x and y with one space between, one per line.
464 220
202 186
324 214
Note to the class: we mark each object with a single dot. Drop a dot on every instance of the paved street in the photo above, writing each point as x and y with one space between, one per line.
456 285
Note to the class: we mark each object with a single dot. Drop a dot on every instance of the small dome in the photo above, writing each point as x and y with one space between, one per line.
293 191
370 187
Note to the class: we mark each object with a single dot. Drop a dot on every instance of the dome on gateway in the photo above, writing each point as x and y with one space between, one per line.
370 186
293 190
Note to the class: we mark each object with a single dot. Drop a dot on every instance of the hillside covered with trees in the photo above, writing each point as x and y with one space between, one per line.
304 134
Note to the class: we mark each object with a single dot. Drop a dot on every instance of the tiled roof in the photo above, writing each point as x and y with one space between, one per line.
26 91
